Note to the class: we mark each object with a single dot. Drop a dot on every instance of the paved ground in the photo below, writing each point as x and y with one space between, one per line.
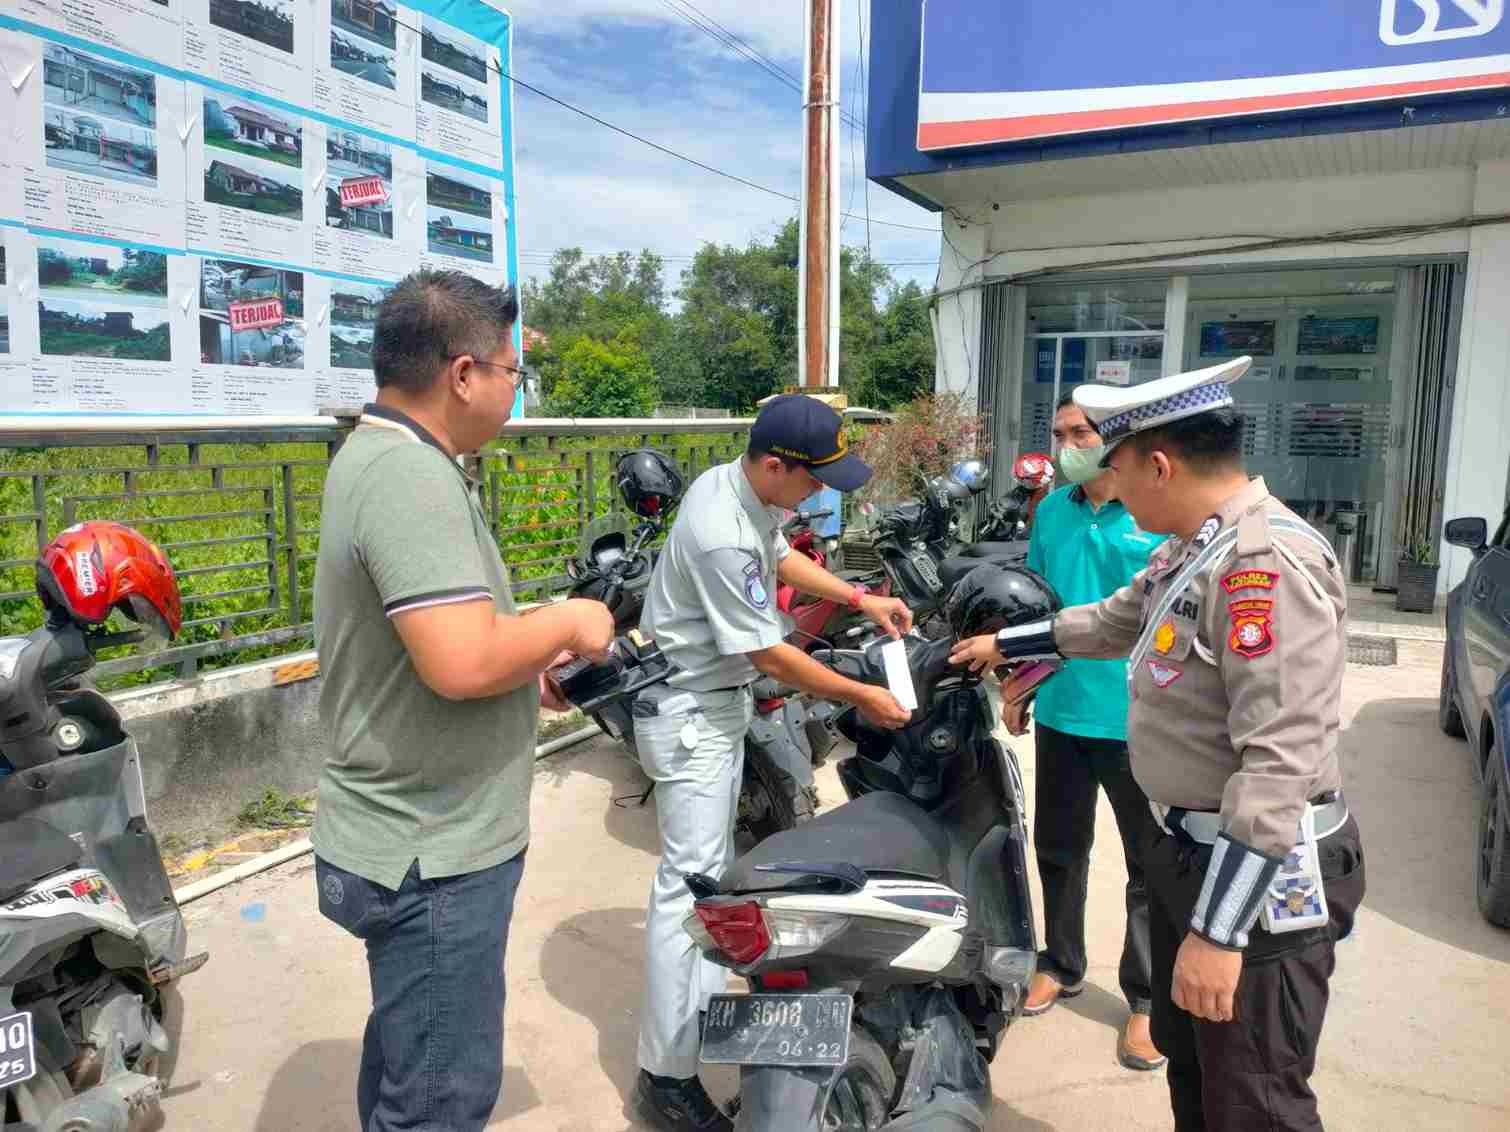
1421 1000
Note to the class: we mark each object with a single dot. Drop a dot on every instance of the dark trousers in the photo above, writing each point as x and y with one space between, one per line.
1069 770
432 1055
1253 1072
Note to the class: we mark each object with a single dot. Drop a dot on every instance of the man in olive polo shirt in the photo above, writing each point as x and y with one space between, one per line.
429 695
1087 545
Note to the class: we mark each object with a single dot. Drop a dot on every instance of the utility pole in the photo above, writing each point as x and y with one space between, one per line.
818 273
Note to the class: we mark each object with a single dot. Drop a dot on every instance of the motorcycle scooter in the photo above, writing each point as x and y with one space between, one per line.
777 790
919 547
889 943
91 938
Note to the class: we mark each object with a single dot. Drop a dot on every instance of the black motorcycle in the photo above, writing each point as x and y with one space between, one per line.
920 550
889 943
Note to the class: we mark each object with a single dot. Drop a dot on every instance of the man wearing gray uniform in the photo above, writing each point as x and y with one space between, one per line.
711 607
1236 644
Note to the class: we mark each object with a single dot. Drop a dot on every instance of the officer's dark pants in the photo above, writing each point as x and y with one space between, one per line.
1252 1073
1071 772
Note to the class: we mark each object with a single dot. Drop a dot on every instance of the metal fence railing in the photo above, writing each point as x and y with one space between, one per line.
236 506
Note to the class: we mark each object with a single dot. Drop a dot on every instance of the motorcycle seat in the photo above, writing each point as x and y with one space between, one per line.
30 850
1013 549
883 834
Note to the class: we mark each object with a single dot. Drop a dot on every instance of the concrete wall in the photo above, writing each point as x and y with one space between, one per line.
213 745
1077 233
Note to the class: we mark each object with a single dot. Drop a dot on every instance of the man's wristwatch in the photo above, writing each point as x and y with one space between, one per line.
1034 641
855 596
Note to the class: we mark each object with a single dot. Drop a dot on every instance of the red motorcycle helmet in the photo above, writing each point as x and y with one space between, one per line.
1033 470
95 567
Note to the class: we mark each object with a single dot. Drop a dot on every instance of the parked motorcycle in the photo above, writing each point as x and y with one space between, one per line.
1010 517
820 622
91 938
888 943
920 550
614 566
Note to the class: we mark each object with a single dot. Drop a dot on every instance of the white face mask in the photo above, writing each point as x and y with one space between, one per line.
1081 465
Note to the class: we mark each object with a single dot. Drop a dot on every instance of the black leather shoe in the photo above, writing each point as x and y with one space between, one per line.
678 1106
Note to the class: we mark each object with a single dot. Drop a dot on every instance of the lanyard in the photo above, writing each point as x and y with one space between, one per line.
1181 583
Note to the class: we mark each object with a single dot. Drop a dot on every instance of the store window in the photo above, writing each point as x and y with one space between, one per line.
1100 331
1318 400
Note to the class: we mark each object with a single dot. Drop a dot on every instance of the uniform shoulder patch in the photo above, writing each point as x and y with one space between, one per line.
755 586
1252 627
1250 580
1163 674
1207 532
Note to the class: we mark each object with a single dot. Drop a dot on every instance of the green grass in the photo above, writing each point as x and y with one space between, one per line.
230 144
275 810
151 346
265 203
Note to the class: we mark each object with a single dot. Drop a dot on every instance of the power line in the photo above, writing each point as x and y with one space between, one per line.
679 156
731 40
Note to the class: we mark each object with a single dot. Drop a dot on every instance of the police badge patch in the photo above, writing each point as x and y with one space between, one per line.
1252 627
755 586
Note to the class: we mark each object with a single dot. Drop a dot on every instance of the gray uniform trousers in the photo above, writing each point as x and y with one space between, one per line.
696 802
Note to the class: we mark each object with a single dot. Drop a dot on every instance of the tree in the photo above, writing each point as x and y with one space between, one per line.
901 363
603 379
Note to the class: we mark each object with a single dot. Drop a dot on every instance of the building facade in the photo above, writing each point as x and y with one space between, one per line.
1332 198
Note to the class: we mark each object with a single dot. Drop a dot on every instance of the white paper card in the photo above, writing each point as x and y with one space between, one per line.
899 674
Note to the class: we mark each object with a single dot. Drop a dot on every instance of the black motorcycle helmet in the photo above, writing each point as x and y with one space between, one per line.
994 596
650 482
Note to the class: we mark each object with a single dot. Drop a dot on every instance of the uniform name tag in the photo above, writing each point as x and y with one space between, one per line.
1296 899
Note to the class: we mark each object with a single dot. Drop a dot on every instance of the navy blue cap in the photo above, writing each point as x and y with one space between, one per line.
804 429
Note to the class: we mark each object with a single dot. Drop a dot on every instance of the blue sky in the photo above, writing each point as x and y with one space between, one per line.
641 66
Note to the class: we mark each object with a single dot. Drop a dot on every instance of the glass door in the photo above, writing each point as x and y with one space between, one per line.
1317 403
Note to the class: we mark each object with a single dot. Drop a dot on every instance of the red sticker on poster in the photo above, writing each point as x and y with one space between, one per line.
362 190
255 315
1252 627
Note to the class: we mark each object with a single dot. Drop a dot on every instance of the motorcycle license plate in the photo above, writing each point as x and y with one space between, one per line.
924 563
777 1029
18 1056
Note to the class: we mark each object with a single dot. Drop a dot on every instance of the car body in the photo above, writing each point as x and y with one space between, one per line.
1475 696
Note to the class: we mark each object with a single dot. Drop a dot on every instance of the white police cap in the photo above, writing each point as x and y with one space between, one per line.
1118 412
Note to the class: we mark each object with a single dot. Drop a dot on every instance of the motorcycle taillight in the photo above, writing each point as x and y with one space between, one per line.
738 930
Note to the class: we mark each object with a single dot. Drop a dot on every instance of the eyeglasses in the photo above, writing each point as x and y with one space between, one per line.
515 370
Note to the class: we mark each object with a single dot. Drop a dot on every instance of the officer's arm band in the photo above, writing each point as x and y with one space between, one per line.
1232 893
1028 642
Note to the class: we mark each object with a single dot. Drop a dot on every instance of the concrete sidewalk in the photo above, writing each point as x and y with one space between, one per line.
1414 1039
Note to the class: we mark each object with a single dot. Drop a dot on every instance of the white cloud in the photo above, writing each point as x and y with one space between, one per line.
580 184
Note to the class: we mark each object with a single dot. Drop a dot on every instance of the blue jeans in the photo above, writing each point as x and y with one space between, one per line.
432 1056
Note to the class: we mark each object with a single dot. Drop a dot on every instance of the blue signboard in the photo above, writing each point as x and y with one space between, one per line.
994 73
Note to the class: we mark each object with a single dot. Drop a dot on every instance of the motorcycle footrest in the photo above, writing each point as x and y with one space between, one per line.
175 971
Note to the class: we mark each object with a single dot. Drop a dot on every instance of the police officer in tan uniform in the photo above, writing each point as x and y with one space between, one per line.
1236 645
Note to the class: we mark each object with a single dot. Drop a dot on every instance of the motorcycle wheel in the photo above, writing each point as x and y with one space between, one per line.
765 807
860 1099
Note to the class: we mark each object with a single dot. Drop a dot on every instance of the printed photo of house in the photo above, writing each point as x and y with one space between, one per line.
267 21
101 147
353 315
90 330
376 20
262 188
459 234
451 188
352 154
465 54
253 132
224 283
455 94
86 84
363 59
101 273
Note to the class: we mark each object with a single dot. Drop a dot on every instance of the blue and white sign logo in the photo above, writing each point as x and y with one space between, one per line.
1432 24
1160 62
755 586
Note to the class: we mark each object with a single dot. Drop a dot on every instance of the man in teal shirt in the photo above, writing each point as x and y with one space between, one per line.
1087 545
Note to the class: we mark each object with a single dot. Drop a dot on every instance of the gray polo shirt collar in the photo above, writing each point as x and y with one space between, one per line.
765 518
384 416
